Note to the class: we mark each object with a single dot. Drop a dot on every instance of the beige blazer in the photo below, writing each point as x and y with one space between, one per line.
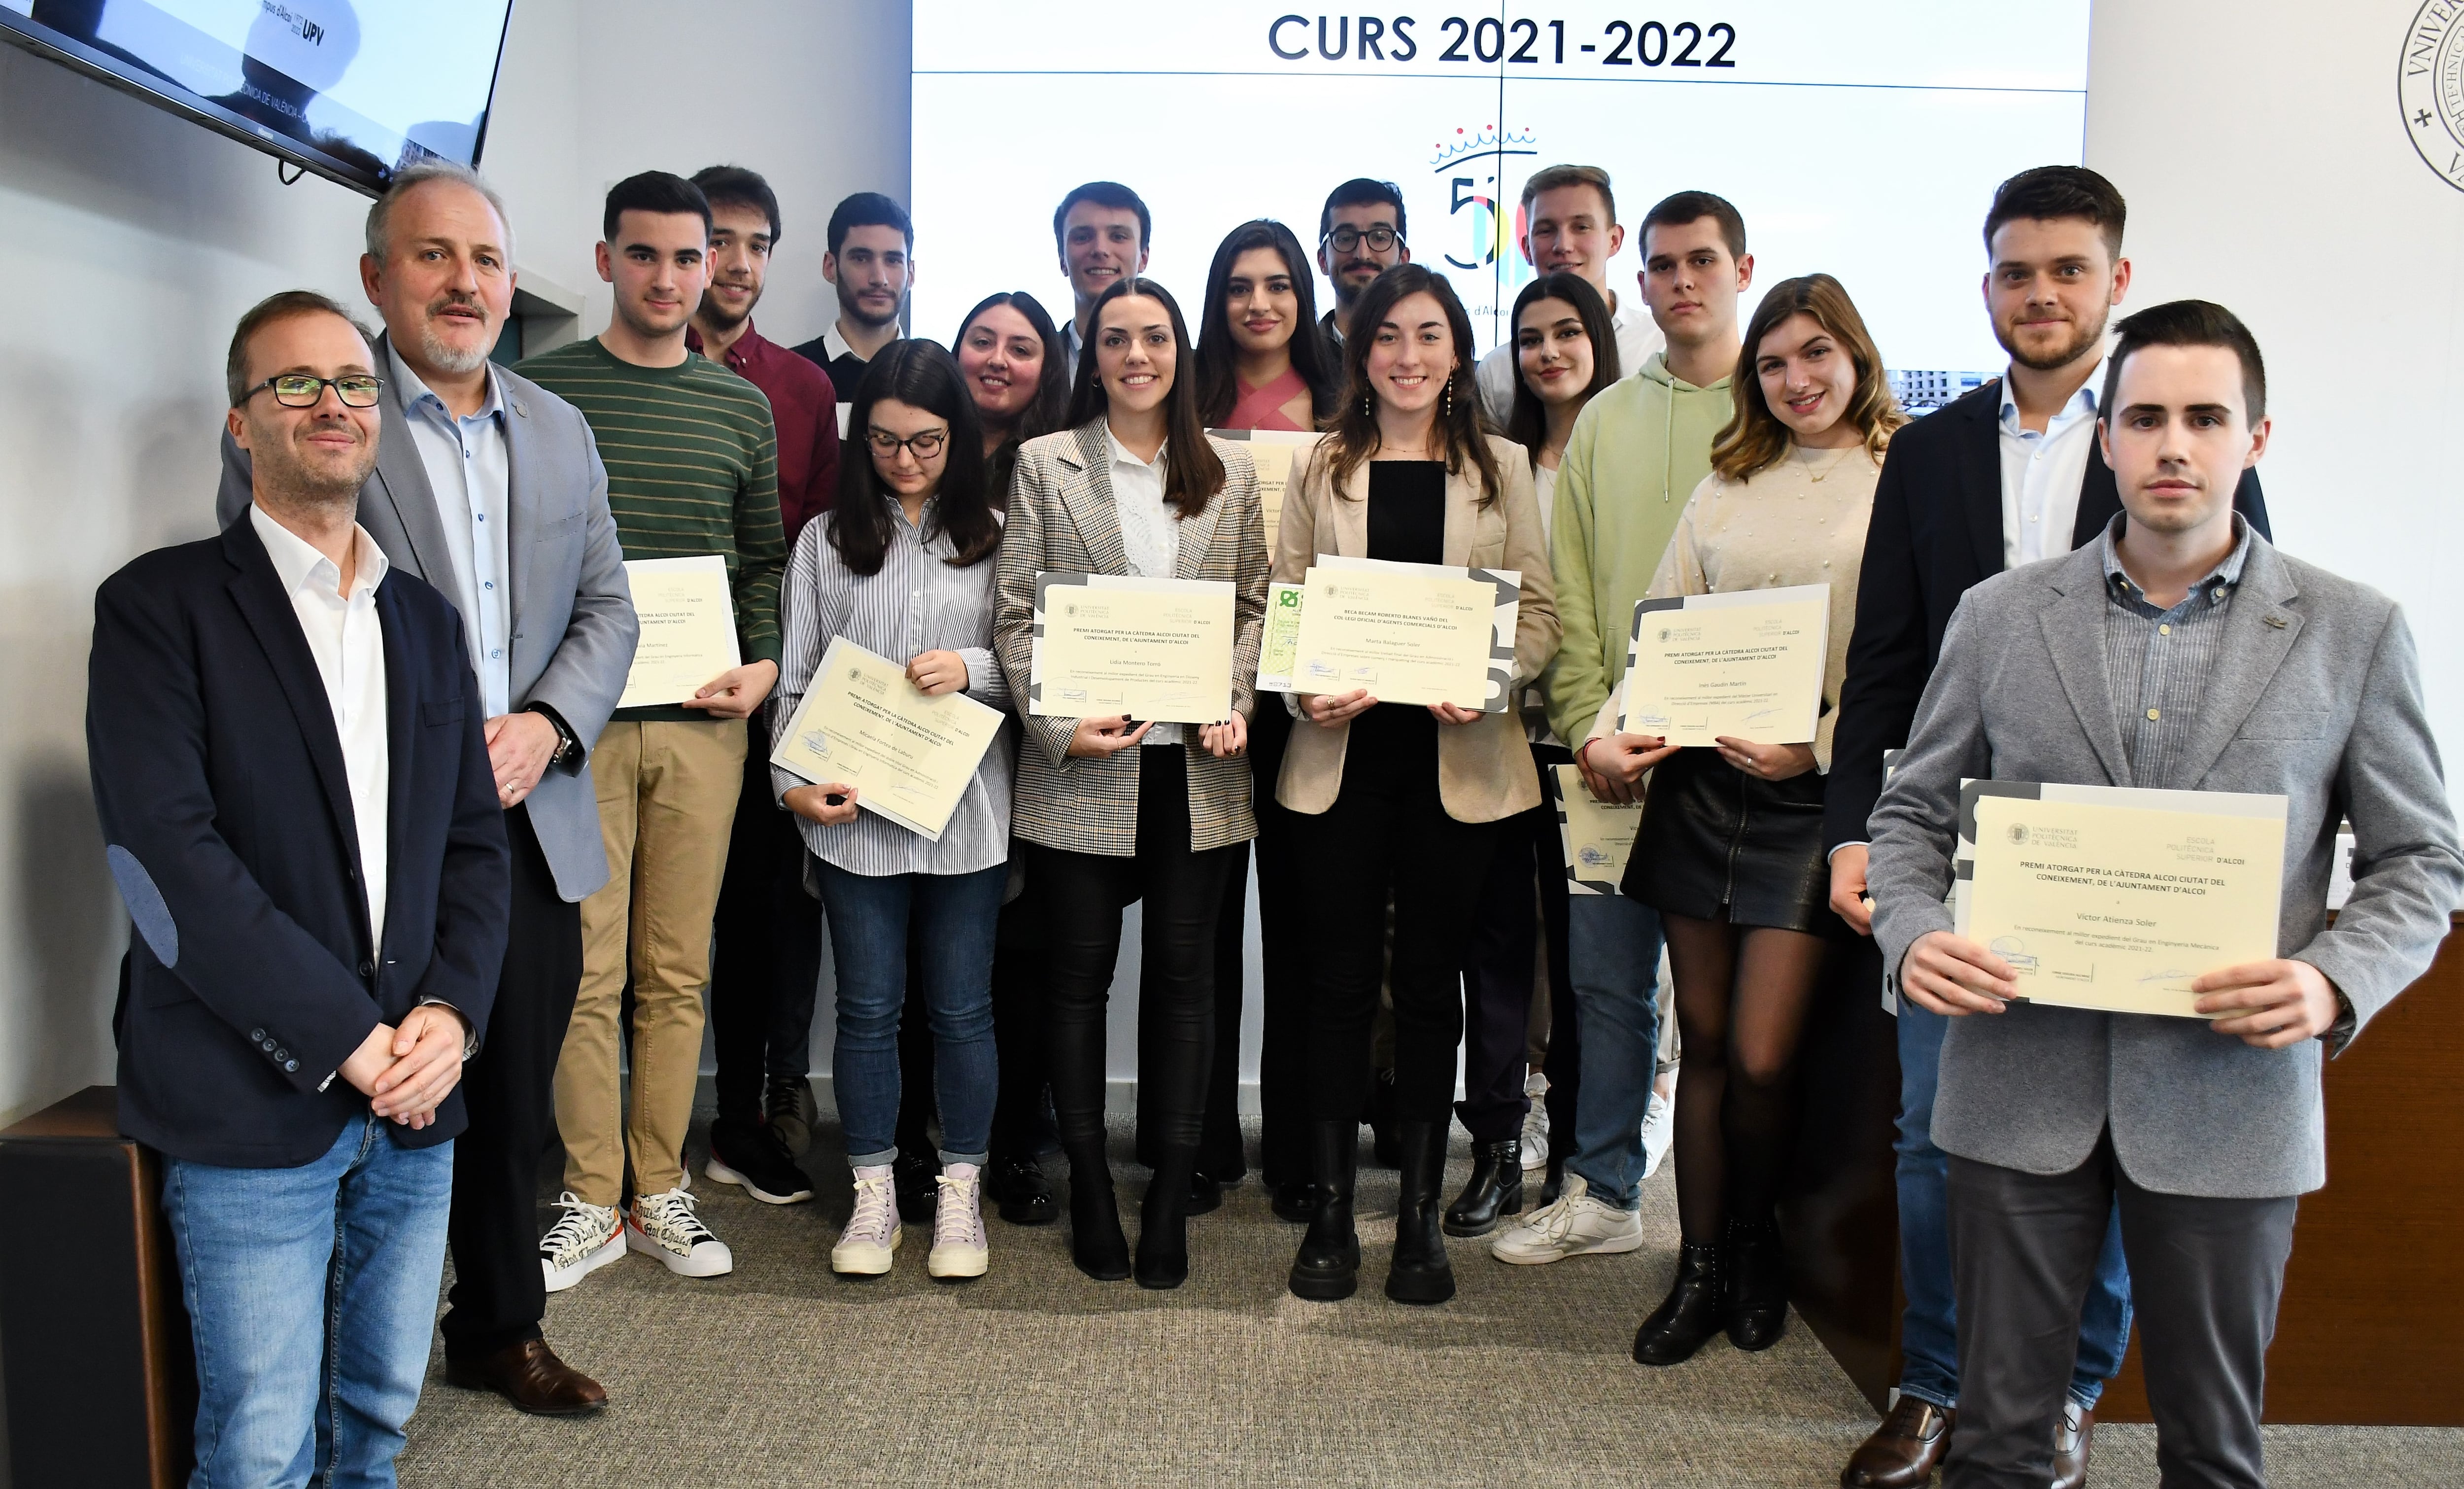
1483 768
1062 517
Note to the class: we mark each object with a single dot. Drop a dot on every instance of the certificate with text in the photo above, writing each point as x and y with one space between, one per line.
688 615
862 722
1277 453
2117 899
1279 643
1408 633
1745 665
1598 836
1103 645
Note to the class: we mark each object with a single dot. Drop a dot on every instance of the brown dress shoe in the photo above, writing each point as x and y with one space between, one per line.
1905 1450
2071 1444
531 1377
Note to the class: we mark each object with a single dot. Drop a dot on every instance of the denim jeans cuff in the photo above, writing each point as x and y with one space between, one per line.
2088 1393
881 1160
1930 1394
978 1159
1630 1200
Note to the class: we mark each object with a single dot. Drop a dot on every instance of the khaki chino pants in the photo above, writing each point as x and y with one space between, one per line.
667 803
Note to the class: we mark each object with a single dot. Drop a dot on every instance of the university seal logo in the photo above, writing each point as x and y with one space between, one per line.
2429 84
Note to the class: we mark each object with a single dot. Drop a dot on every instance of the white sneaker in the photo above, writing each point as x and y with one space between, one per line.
666 1227
959 1249
585 1239
1658 1129
1535 1125
872 1234
1577 1224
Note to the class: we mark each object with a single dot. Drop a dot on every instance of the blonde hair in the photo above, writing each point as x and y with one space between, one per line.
1754 437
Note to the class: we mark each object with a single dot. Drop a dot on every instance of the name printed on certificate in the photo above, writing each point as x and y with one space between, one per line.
1745 665
1598 836
688 616
1409 633
1279 644
1105 645
1277 453
2118 900
862 722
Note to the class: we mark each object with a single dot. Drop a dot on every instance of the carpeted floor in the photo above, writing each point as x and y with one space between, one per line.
784 1375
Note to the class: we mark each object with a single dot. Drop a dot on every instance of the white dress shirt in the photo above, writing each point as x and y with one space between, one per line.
469 472
2041 474
347 640
1150 535
1638 337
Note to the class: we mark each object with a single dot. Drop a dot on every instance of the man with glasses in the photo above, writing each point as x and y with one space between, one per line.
490 487
1359 237
1569 226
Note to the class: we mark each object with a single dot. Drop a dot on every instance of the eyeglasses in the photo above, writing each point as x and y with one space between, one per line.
925 445
1381 237
299 390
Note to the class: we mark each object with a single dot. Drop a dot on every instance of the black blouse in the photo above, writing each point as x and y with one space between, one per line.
1407 511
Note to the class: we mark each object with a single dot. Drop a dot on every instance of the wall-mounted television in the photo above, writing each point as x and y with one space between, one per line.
354 90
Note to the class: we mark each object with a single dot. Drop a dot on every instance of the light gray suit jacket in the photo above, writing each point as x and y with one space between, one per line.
573 621
2316 696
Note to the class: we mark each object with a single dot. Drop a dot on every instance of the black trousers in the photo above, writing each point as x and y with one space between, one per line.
498 1293
2205 1278
1019 955
1083 896
1387 832
768 941
1497 972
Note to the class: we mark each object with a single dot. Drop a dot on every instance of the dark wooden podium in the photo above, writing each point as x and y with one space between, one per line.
94 1340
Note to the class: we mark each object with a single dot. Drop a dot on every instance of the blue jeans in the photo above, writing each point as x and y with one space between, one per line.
311 1291
1612 957
954 917
1929 1329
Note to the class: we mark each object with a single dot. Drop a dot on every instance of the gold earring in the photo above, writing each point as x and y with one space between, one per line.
1446 401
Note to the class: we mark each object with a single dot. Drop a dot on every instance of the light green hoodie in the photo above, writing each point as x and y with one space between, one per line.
1637 452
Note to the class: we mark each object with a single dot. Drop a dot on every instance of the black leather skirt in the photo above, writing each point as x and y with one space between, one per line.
1714 838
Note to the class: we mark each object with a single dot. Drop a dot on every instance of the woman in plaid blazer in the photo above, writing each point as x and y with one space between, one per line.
1113 810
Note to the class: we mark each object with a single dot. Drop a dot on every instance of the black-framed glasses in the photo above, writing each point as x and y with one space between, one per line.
299 390
926 444
1381 238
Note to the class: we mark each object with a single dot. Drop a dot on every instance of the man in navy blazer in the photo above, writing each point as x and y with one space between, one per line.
295 795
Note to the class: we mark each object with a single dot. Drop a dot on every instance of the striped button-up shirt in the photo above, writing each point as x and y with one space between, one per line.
918 603
2157 661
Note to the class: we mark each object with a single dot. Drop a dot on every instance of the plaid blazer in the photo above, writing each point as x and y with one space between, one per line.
1062 517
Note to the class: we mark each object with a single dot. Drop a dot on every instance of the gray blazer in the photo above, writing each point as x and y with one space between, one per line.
573 621
2316 696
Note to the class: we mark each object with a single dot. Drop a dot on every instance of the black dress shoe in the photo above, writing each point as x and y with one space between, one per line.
1420 1272
1022 1192
911 1176
1205 1195
1162 1260
1494 1193
1691 1314
1096 1244
1294 1202
1905 1450
1328 1267
529 1375
1757 1284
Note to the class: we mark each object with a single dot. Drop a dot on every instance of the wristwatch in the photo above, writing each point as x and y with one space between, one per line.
568 745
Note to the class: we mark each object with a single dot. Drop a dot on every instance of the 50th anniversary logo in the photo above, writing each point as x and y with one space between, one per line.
2429 83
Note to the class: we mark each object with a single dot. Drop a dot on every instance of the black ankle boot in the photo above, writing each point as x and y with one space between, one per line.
1163 1222
1757 1284
1096 1243
1328 1267
1420 1273
1494 1193
1693 1312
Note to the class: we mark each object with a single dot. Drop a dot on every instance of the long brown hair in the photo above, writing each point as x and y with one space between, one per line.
1528 424
1195 472
1218 386
1754 437
1353 436
922 375
1051 405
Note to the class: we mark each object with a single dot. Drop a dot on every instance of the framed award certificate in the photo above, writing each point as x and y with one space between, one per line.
1104 645
1747 665
1408 633
1277 453
687 618
862 722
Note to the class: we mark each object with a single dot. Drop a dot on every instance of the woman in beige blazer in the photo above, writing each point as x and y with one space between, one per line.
1397 798
1113 810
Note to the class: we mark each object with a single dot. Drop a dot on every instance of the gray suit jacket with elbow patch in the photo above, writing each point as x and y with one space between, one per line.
2316 696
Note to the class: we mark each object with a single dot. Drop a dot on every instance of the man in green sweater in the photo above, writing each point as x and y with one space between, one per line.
1634 457
692 471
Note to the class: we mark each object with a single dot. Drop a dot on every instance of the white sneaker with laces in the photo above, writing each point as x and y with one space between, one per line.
1577 1224
1535 1125
1658 1129
872 1234
959 1249
666 1227
585 1239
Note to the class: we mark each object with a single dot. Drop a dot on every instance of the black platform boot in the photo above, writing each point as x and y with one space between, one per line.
1163 1222
1328 1267
1693 1312
1494 1193
1757 1284
1096 1243
1420 1273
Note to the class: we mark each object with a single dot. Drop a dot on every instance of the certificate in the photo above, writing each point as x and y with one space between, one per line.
1409 633
687 628
1152 649
909 757
2117 899
1279 643
1276 452
1747 665
1598 836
